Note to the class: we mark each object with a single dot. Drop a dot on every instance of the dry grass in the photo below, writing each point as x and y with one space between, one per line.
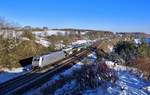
143 64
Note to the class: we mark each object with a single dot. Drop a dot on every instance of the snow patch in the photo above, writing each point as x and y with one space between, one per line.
48 33
116 67
92 55
79 42
137 41
147 89
43 42
15 72
25 39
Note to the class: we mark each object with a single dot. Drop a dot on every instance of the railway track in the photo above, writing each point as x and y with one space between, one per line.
36 78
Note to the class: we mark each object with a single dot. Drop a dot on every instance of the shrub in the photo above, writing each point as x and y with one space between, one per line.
116 58
126 50
28 34
101 53
92 76
86 77
144 50
143 64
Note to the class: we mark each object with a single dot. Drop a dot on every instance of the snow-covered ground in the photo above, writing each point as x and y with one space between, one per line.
48 33
40 38
55 79
127 84
82 42
66 73
43 42
10 74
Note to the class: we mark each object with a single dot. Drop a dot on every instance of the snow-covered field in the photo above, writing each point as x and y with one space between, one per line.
48 33
43 42
40 37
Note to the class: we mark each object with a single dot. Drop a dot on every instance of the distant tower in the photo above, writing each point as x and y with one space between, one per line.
45 29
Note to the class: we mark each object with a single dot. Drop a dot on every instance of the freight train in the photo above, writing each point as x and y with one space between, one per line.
41 61
48 59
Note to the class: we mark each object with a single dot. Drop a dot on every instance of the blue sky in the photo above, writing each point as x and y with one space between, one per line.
113 15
